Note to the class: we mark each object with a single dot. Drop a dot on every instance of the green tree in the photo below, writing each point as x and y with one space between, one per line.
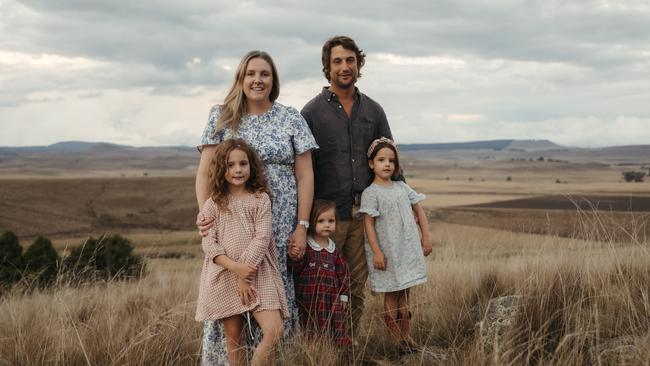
109 257
42 261
633 176
11 258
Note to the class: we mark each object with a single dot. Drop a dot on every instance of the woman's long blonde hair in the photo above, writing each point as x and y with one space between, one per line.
235 105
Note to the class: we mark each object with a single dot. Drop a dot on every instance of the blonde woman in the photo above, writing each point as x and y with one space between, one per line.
282 139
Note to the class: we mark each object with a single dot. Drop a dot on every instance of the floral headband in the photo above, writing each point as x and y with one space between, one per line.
378 141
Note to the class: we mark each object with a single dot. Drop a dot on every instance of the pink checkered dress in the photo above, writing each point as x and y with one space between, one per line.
244 235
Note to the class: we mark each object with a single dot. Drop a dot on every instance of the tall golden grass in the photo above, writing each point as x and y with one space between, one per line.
576 296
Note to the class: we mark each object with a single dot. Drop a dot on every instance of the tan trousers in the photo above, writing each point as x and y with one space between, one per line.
349 242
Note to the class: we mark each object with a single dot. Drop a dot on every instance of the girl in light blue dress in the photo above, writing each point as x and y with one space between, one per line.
395 245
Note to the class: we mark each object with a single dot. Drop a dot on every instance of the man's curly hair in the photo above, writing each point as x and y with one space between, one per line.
347 43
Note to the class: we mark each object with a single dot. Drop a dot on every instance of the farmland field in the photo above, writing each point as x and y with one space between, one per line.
569 239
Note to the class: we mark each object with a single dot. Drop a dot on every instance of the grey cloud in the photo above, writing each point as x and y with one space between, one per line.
523 61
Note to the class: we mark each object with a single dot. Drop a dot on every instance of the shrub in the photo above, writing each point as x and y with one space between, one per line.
11 258
508 178
42 261
108 257
633 176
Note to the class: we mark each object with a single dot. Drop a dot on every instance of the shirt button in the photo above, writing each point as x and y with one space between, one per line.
353 160
340 106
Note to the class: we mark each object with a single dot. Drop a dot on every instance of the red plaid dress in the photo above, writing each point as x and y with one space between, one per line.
322 282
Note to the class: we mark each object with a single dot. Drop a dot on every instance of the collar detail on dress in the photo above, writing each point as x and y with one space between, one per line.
315 246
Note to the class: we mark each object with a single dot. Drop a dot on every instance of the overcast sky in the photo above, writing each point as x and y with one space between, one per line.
147 72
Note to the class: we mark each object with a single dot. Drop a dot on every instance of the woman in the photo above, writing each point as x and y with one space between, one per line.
283 141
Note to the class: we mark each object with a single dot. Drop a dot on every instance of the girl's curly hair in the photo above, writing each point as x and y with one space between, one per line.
217 173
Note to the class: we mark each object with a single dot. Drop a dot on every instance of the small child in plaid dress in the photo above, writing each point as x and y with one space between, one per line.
240 273
322 279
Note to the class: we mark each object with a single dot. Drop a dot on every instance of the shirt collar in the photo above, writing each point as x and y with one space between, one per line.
315 246
329 96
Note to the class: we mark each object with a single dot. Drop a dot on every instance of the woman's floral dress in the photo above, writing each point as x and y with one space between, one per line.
277 136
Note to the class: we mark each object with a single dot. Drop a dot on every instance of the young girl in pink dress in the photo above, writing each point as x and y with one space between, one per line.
240 274
322 279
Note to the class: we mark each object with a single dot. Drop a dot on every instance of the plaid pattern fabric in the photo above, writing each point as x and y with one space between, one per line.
321 278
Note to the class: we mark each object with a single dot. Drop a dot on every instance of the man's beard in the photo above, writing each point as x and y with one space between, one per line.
347 85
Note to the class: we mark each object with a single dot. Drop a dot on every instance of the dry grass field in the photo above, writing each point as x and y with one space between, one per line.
579 279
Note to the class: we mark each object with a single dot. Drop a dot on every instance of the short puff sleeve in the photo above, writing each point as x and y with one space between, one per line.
209 137
414 197
369 203
301 135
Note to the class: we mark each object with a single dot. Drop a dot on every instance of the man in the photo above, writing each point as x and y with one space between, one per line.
344 122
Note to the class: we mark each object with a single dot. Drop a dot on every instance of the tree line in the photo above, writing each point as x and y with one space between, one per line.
109 257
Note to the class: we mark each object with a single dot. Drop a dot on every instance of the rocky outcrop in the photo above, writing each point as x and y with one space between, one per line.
500 314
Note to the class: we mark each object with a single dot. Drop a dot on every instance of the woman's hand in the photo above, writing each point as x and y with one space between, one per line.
204 224
379 260
246 292
297 243
244 271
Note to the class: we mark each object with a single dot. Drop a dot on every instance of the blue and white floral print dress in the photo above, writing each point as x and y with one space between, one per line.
277 136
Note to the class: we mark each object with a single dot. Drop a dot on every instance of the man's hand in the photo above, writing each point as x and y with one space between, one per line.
246 292
244 271
379 261
297 243
204 224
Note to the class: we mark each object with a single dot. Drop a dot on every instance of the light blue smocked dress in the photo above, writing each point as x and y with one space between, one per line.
277 136
398 236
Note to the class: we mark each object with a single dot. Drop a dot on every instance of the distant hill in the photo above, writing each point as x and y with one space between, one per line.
82 146
67 147
533 145
78 158
496 145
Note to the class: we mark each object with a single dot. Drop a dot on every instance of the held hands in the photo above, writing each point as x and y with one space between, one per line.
379 261
203 224
297 243
246 292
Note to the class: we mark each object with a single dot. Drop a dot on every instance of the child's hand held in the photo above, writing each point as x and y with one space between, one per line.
294 252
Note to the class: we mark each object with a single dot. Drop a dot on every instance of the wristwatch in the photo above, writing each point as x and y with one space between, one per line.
304 223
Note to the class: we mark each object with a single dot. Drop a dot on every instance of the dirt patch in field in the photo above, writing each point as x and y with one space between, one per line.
81 207
572 202
606 226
